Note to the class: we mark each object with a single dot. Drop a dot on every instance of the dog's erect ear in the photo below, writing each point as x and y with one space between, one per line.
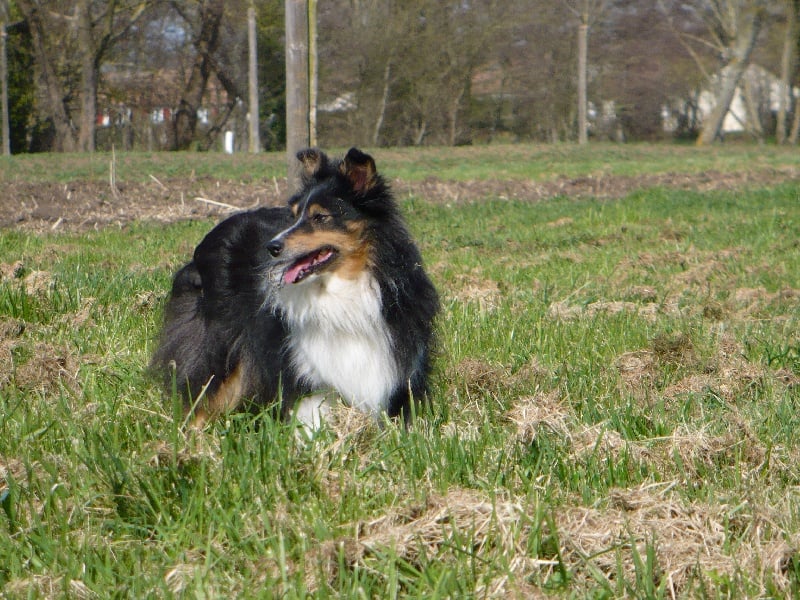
314 160
359 168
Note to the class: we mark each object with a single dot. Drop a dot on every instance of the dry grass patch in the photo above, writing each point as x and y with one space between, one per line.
472 288
688 452
444 529
48 587
47 368
645 309
544 411
694 543
478 376
638 372
751 303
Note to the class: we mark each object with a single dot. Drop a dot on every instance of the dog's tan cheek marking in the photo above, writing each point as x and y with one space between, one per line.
355 262
357 256
227 397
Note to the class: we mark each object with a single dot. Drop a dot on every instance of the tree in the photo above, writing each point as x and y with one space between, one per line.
643 69
788 67
71 42
405 68
272 73
206 43
587 11
734 26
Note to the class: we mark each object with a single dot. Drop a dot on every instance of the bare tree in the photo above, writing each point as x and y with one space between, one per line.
54 98
71 42
206 43
407 66
587 11
734 26
788 67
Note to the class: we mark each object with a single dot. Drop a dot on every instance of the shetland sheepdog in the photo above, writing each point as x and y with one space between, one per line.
281 306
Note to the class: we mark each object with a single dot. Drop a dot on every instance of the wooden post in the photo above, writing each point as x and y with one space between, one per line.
297 87
254 142
6 130
583 35
313 72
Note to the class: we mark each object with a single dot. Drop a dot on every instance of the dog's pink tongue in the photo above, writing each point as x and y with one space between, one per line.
293 272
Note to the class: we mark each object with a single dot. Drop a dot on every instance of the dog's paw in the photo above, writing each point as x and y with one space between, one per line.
311 412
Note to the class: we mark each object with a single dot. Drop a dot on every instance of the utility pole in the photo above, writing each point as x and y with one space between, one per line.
254 142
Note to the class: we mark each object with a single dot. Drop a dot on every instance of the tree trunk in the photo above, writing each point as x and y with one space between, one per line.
387 72
419 135
751 103
452 116
254 143
583 37
56 107
794 134
297 80
6 129
89 77
206 44
788 60
729 77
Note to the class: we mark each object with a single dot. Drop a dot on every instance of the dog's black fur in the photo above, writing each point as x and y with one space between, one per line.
225 335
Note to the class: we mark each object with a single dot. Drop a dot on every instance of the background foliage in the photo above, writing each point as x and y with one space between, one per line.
393 73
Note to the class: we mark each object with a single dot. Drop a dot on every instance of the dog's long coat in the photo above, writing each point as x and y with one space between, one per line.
326 293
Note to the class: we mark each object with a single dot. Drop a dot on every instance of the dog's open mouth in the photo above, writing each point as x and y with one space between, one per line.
308 264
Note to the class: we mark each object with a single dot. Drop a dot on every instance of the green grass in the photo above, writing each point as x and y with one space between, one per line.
498 162
615 410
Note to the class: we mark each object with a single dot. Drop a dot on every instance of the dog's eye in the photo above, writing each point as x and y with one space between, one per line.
321 217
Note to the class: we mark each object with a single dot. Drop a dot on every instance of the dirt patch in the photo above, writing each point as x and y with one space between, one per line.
84 205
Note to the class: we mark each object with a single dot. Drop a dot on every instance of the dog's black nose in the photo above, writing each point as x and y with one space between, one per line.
275 247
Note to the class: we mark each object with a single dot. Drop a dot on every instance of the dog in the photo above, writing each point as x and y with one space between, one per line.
281 306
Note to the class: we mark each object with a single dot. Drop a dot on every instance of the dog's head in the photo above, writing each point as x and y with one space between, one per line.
330 234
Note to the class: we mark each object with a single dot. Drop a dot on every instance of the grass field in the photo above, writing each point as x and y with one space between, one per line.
503 162
615 408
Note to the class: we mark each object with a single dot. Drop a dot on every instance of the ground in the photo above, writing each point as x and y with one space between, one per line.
84 205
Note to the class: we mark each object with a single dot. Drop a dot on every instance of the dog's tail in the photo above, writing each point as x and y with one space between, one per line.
186 352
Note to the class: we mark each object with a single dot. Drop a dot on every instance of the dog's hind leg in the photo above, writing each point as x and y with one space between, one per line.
227 397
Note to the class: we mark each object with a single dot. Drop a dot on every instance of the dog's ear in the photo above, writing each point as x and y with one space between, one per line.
314 160
359 168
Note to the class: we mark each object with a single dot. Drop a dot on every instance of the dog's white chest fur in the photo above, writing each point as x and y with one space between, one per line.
339 339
